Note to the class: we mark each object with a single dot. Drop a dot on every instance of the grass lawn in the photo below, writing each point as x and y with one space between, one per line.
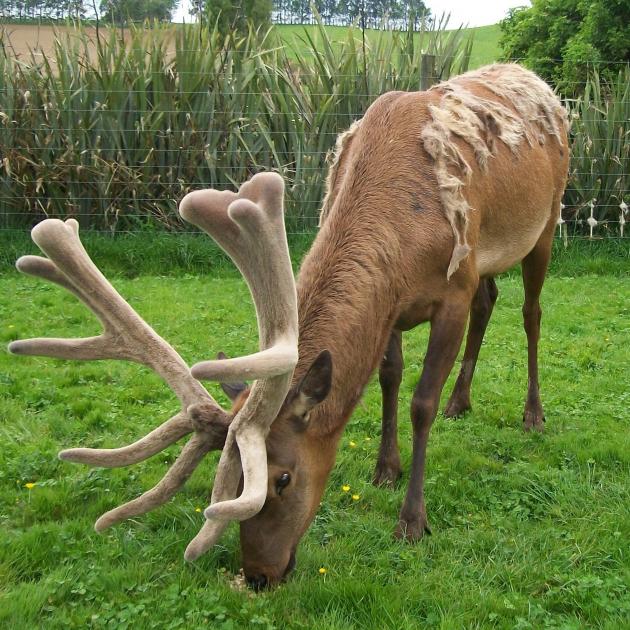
529 531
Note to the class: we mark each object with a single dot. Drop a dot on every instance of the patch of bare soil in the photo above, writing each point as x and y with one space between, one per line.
28 42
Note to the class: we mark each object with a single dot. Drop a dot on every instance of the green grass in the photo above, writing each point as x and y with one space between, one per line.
529 531
485 39
167 254
486 47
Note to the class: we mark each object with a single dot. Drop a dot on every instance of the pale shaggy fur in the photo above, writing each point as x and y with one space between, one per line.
527 109
341 146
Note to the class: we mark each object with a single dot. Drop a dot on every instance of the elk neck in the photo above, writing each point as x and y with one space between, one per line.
348 294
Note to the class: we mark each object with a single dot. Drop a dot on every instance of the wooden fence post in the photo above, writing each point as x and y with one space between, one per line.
427 71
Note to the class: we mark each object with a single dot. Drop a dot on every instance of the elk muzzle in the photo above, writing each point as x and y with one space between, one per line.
261 577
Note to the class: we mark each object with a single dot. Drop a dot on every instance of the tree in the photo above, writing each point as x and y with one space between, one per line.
230 16
42 9
371 13
562 39
124 11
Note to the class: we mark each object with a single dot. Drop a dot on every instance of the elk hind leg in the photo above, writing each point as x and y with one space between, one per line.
534 270
388 468
480 312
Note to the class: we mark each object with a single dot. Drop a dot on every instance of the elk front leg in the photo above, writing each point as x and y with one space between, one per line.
480 312
447 331
534 269
388 467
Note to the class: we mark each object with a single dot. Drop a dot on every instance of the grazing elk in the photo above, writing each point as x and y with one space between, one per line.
431 195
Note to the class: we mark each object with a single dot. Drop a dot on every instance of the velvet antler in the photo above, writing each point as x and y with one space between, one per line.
249 226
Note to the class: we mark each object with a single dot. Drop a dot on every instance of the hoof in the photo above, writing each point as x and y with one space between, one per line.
533 421
456 408
387 475
412 531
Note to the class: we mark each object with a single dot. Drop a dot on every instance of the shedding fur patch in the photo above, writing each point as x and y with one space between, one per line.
480 121
341 146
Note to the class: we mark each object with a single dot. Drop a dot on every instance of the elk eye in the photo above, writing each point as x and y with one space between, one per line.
283 482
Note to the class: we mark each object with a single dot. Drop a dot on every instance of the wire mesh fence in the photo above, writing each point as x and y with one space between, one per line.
115 132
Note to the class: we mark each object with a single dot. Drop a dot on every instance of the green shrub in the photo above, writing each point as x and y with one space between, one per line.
562 40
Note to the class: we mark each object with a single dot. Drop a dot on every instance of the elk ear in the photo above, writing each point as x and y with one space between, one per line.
232 390
313 388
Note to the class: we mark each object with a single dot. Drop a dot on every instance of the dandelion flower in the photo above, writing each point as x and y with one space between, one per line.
353 444
356 497
197 509
30 485
345 488
323 570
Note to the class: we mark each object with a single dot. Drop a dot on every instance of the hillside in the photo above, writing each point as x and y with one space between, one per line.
485 39
21 39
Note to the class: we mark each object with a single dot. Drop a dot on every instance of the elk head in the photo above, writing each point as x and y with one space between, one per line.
249 226
279 506
298 465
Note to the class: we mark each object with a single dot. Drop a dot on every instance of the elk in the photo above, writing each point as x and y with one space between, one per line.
430 195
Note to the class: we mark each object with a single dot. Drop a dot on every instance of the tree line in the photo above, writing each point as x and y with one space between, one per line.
114 11
38 9
370 13
367 13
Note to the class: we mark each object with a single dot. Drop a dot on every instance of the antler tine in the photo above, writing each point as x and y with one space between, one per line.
227 487
249 226
157 440
126 335
191 455
224 508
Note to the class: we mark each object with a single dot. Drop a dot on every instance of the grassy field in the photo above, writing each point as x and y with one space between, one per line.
529 531
485 47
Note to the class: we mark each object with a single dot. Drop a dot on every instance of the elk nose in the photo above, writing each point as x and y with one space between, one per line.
257 582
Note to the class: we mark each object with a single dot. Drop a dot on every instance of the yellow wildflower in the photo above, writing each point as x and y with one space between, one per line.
345 488
323 570
197 509
30 485
356 497
353 444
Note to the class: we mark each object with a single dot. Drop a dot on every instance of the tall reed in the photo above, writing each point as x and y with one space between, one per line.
115 132
115 135
598 192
